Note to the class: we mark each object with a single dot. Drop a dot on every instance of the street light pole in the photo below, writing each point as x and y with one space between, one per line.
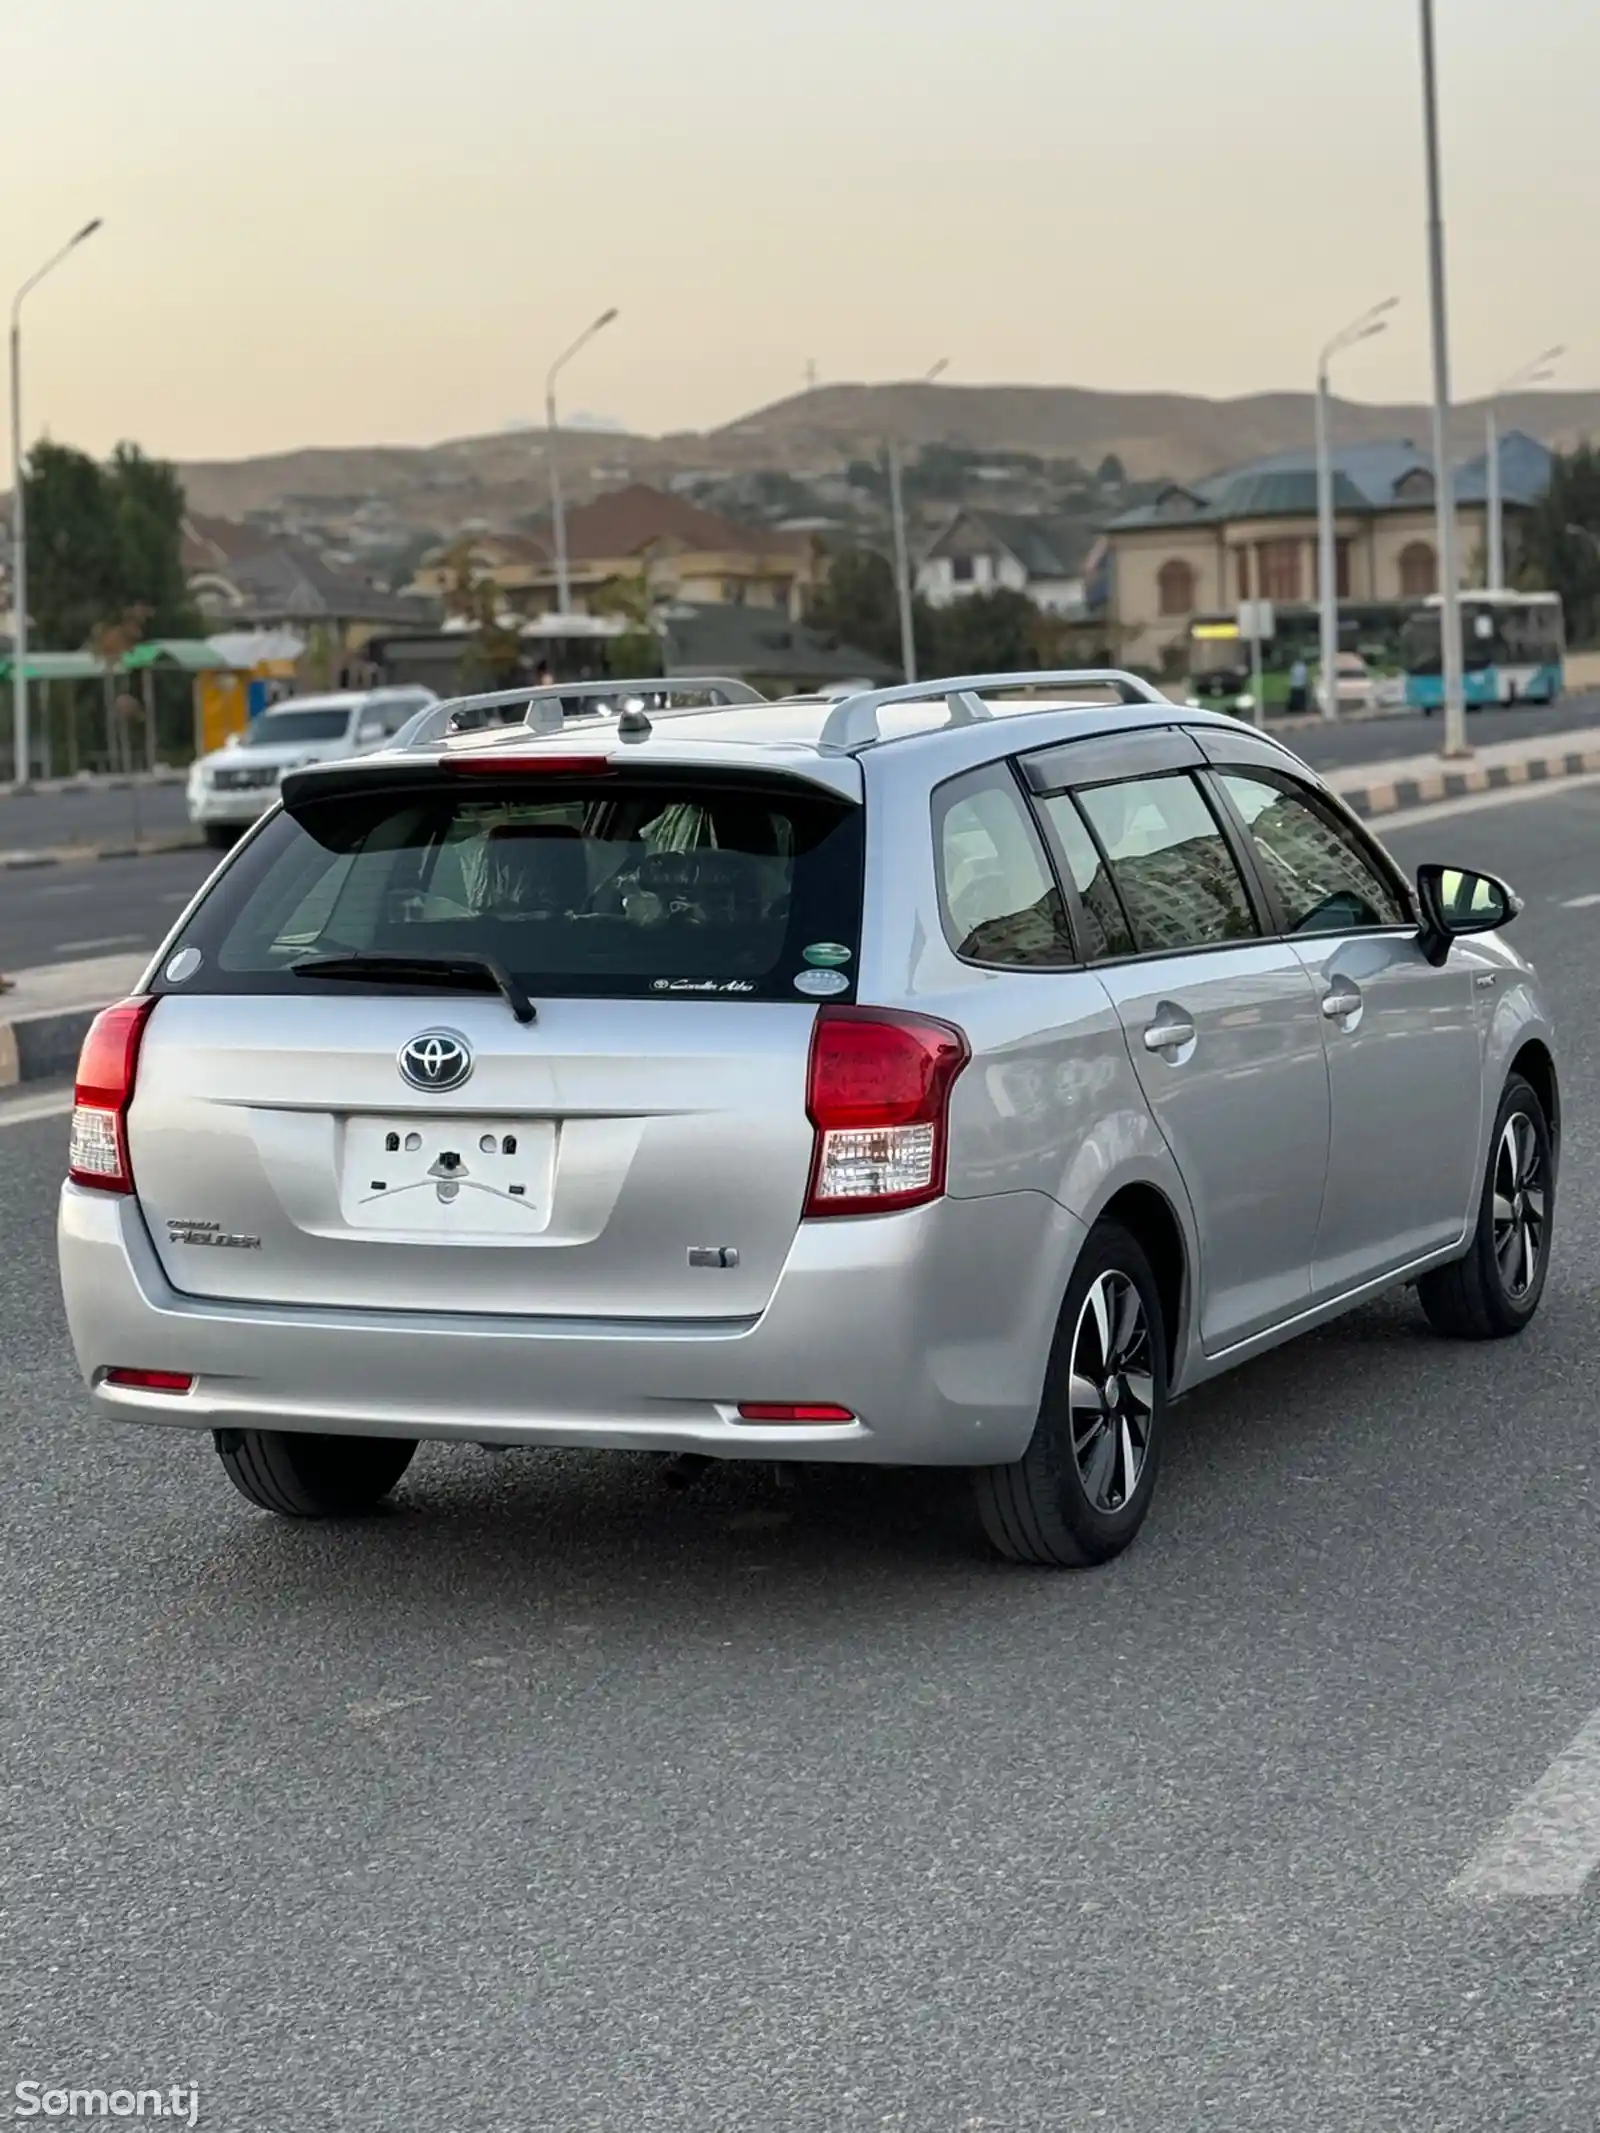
1444 488
1534 373
1364 328
902 546
21 755
558 508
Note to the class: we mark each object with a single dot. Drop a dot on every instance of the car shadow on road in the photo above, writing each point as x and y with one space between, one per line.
1265 1463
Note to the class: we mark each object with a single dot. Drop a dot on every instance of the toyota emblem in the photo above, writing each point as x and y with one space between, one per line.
439 1059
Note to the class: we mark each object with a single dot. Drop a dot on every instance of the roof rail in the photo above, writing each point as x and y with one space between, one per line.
543 704
853 723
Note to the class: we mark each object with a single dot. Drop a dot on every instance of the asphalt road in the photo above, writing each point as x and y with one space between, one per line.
64 914
554 1800
89 815
1372 740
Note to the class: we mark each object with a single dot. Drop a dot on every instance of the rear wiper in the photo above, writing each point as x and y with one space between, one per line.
375 963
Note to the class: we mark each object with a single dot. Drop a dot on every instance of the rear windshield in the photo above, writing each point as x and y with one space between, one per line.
273 728
614 890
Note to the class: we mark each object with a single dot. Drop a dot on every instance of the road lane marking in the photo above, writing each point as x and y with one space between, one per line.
1580 903
66 888
1478 802
108 940
22 1111
1549 1844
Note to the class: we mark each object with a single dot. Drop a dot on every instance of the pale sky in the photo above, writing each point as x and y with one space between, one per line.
376 221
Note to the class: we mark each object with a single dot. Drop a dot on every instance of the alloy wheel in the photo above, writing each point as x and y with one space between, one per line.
1520 1205
1112 1392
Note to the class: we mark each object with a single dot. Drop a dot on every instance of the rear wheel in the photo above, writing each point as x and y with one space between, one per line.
300 1474
1495 1289
1080 1491
220 836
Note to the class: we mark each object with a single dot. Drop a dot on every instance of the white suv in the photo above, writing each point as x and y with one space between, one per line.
232 786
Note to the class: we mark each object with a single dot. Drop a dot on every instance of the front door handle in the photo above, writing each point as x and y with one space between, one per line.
1168 1036
1342 1001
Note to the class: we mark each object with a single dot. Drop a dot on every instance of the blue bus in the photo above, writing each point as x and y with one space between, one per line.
1514 646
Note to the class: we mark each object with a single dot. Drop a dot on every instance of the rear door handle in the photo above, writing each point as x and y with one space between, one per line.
1168 1036
1343 1000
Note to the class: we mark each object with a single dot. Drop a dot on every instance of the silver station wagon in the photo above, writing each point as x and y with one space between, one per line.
944 1076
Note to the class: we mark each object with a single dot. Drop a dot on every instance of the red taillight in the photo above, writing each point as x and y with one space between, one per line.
879 1095
106 1068
552 766
792 1411
150 1380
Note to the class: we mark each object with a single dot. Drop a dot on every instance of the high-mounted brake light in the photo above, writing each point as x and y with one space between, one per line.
879 1096
150 1380
550 766
106 1069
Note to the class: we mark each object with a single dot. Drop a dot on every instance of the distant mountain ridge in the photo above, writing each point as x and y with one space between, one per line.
503 477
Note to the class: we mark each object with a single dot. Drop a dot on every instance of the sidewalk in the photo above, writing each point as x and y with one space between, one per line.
1377 789
44 1016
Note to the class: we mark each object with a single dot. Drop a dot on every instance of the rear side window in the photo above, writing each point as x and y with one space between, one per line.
1171 864
998 897
608 889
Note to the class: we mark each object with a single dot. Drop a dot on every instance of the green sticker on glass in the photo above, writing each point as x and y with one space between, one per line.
829 954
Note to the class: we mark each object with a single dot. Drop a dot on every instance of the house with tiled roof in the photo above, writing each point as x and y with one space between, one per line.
688 553
981 551
1251 532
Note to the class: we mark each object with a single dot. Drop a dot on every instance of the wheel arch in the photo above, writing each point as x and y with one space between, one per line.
1149 1217
1536 1064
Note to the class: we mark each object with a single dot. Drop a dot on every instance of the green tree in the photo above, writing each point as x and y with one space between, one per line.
74 551
994 632
856 603
105 546
1561 541
633 600
148 501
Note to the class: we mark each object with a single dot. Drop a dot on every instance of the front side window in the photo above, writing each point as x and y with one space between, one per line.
999 899
1171 863
1324 880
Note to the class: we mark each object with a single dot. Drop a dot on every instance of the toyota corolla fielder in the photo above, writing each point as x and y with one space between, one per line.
942 1077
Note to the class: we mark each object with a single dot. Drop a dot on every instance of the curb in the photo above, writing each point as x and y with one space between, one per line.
1391 796
43 1047
67 855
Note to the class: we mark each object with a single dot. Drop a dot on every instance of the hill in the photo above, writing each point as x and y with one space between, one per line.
502 478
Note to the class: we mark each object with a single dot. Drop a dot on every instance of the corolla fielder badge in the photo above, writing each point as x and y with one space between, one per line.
438 1059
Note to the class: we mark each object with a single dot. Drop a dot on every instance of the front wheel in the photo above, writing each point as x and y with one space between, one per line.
300 1474
1080 1491
1495 1290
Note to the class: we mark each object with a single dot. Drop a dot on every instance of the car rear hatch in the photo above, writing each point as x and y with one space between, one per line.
316 1125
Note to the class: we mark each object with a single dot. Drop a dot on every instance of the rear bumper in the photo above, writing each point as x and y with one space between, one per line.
933 1327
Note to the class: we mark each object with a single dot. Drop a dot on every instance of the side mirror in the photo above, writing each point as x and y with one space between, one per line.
366 735
1456 901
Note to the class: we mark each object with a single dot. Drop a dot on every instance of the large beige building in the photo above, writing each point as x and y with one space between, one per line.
1251 533
689 554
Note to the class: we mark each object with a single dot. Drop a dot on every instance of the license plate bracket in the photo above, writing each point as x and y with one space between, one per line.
448 1177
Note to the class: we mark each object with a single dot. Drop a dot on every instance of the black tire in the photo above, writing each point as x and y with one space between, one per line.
1476 1299
220 837
301 1475
1041 1509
